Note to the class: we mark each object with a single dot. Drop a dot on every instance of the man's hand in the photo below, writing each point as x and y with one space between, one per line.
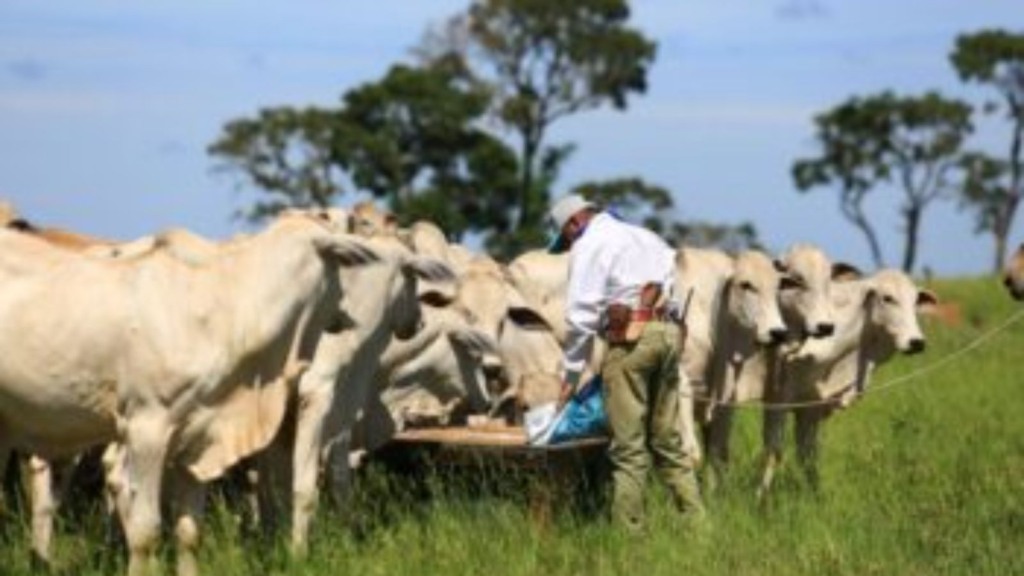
565 394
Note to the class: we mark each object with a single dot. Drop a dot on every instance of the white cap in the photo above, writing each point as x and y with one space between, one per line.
566 208
560 213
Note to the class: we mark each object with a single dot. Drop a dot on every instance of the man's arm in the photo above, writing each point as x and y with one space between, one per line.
585 299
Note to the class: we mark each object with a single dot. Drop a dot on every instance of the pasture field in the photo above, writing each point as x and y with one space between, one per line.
925 477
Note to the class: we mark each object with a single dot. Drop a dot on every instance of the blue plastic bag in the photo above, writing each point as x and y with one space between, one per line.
583 415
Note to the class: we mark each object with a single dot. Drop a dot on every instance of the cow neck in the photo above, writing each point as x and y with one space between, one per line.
733 346
876 346
268 282
733 341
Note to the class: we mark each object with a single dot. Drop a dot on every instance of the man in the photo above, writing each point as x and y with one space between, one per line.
621 283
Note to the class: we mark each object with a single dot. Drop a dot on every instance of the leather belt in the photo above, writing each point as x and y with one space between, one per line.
647 314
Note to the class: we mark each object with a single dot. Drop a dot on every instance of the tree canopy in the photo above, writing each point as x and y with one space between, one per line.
545 61
912 142
286 153
993 188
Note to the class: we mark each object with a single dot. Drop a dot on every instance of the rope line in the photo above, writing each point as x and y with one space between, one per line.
969 347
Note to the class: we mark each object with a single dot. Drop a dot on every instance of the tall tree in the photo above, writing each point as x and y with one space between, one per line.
996 58
284 152
984 191
411 138
911 142
545 61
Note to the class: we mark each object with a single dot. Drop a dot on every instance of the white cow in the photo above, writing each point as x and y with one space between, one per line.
531 356
875 317
543 279
380 300
733 314
805 298
99 351
530 353
351 368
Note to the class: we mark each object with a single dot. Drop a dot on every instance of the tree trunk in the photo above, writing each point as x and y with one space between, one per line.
1001 229
1000 238
912 216
1016 190
531 145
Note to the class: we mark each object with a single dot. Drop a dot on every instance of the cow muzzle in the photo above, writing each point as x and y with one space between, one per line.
914 346
774 337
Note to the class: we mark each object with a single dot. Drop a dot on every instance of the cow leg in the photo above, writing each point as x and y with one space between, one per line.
43 506
7 488
717 439
807 421
772 433
273 472
117 493
314 406
147 439
339 468
189 502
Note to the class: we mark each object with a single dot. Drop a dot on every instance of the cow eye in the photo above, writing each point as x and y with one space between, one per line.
888 299
747 287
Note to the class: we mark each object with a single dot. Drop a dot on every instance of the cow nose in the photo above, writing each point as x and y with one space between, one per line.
824 330
915 346
777 335
408 331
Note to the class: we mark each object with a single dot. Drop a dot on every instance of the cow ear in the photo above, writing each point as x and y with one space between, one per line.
527 318
927 298
22 225
780 266
345 249
429 269
843 272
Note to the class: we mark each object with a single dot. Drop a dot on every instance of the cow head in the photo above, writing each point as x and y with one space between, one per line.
482 368
805 289
1013 277
893 302
366 219
492 305
753 297
403 285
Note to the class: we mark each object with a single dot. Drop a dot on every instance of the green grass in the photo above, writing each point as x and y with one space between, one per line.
925 477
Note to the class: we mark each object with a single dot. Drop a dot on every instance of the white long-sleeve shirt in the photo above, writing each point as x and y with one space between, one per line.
609 263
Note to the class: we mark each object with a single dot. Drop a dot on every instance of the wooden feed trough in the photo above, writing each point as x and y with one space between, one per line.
551 476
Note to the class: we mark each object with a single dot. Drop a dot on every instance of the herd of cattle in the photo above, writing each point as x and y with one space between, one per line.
299 349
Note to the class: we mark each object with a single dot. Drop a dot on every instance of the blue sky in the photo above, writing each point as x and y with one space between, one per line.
106 108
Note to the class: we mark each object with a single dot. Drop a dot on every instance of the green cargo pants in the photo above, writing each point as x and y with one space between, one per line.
641 395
